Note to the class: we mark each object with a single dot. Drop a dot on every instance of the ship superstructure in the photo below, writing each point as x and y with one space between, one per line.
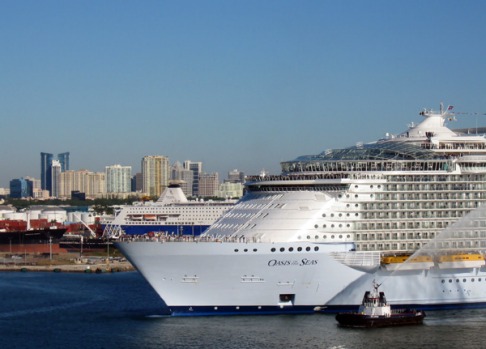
312 238
171 214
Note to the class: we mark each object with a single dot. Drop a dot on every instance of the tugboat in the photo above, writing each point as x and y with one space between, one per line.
375 311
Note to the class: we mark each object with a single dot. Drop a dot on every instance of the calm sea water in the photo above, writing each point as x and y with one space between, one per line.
61 310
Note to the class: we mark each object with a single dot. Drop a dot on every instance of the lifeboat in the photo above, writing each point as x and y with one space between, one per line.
465 260
150 217
407 262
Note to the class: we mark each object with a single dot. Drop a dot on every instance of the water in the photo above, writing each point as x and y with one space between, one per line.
61 310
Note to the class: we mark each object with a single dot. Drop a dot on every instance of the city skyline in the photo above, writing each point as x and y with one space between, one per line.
242 85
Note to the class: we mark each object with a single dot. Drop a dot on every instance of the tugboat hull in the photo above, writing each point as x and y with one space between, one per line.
358 320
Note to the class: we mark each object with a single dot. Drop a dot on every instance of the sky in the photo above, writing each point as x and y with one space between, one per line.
235 84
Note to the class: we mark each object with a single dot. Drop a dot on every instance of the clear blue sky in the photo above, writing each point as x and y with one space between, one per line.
235 84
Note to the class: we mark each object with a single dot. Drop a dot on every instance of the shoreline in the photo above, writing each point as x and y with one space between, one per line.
63 262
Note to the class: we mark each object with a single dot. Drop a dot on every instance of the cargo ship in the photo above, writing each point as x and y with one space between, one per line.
35 235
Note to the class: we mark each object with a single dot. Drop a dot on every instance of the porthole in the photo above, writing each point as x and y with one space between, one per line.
340 236
246 250
323 215
254 250
316 226
332 236
316 248
472 280
308 237
332 225
332 214
299 249
291 249
236 250
457 280
340 215
316 237
450 280
324 226
348 236
282 249
443 281
340 225
463 280
356 196
307 248
273 249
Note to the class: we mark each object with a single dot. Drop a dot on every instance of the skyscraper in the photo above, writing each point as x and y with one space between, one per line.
46 168
196 168
118 179
155 173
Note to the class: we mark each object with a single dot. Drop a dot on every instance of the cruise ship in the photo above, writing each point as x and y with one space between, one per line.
403 210
171 214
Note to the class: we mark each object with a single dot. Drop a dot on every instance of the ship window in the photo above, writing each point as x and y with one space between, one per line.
316 248
273 249
246 250
443 281
323 215
307 248
340 236
308 237
291 249
450 280
236 250
254 250
299 249
324 226
282 249
463 280
472 280
316 226
316 237
457 280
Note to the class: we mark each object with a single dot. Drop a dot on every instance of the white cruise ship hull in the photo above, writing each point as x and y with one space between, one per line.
214 278
427 289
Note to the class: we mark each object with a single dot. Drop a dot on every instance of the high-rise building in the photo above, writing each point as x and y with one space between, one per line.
55 178
19 188
137 182
235 176
184 177
230 190
196 168
208 184
155 174
83 181
118 179
46 168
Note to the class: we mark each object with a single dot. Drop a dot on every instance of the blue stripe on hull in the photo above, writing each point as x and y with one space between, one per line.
244 310
295 310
